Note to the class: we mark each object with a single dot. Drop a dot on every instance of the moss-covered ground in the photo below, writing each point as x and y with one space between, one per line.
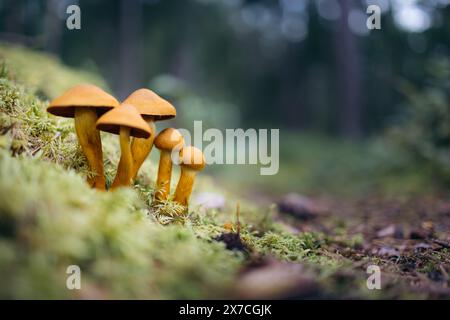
128 247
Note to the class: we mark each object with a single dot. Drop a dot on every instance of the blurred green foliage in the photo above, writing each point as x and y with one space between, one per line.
318 165
411 155
423 130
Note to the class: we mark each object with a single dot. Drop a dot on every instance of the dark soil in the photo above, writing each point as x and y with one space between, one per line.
232 241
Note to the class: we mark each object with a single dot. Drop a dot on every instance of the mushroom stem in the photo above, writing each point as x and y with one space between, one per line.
141 148
184 186
123 175
164 175
91 144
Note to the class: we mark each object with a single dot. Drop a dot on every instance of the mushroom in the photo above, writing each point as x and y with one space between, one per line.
126 121
166 141
192 161
85 103
152 108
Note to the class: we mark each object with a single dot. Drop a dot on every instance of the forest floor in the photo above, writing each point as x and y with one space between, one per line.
278 244
406 237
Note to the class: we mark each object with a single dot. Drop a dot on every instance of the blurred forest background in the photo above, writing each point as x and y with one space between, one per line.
352 104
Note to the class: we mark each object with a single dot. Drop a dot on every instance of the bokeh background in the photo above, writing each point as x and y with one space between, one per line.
358 110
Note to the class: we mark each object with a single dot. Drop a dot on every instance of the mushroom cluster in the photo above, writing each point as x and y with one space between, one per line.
133 120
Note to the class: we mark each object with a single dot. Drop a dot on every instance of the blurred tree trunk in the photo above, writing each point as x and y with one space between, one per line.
53 27
180 63
292 92
130 48
348 75
182 58
294 113
13 21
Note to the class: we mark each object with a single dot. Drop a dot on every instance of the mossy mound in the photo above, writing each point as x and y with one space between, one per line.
51 219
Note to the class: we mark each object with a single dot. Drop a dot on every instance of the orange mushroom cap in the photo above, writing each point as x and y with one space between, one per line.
192 158
83 95
124 115
168 139
149 103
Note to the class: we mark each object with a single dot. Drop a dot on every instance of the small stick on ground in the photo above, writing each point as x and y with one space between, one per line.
233 240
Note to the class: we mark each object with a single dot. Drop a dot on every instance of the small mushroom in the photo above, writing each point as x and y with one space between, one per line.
85 103
166 141
126 121
152 108
192 161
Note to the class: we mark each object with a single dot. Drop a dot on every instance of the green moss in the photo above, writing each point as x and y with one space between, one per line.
51 219
284 245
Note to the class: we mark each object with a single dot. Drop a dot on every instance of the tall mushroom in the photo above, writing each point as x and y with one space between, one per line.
169 140
85 103
152 108
192 161
126 121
